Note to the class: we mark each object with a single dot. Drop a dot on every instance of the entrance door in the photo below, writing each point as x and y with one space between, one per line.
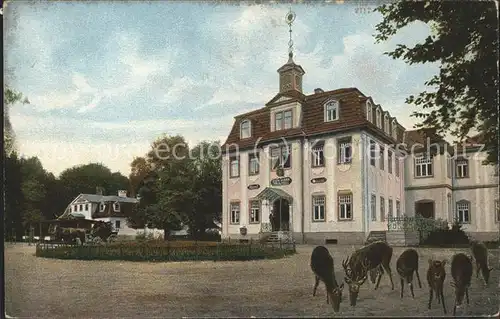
280 218
425 209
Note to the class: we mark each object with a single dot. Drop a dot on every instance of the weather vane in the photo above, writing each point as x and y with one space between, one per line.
289 18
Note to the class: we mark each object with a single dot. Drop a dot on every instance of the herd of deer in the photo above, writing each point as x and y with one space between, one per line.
372 260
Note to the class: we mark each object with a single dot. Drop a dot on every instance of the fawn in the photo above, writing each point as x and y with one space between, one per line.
322 267
406 265
435 278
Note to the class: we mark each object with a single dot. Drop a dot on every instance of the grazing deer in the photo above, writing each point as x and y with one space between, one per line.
322 267
364 260
461 272
435 278
406 265
480 254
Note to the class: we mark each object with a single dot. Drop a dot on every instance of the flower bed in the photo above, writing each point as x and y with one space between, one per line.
163 251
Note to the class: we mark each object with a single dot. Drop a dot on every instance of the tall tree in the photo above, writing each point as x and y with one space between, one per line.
465 42
139 170
207 187
13 196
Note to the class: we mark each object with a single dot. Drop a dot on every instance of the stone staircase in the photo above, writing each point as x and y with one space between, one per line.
376 236
277 236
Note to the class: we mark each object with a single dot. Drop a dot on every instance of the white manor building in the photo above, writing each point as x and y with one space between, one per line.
325 167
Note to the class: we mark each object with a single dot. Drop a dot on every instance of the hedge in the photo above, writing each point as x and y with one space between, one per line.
167 251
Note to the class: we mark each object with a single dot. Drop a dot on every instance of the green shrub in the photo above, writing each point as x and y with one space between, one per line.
164 251
446 237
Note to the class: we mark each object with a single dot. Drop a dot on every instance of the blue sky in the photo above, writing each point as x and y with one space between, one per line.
106 78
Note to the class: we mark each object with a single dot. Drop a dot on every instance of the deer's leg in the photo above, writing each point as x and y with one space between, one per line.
402 286
477 269
411 288
315 285
378 279
467 294
454 308
387 268
431 291
442 299
418 278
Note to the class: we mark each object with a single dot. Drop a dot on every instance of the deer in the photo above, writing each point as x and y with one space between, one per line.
480 254
461 272
435 278
368 258
406 265
322 267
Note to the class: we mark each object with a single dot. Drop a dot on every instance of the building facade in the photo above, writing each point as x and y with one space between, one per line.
335 166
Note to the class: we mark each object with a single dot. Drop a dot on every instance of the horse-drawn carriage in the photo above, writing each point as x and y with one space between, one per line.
99 232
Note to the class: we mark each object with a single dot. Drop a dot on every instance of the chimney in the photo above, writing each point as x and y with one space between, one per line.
318 90
99 190
122 193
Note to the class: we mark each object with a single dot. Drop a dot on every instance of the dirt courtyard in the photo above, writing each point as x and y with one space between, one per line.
51 288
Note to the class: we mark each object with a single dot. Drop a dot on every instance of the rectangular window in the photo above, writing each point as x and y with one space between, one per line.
318 155
463 212
253 164
254 211
389 209
462 168
288 120
234 212
382 158
373 147
318 208
278 121
389 161
117 224
81 207
382 209
280 157
373 207
398 208
497 210
86 206
234 167
344 147
448 166
345 206
423 166
397 164
450 208
245 129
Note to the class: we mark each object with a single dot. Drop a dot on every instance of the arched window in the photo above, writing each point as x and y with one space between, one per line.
102 206
245 129
386 123
331 111
116 206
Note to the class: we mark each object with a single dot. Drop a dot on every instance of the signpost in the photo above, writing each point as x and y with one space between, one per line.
318 180
281 181
253 186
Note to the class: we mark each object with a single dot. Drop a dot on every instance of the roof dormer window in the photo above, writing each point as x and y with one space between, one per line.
102 206
245 129
379 118
394 132
369 109
331 111
116 206
386 124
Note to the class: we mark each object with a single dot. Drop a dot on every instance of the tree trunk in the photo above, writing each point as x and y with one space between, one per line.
166 233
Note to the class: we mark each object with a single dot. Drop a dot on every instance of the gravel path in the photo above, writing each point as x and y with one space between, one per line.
50 288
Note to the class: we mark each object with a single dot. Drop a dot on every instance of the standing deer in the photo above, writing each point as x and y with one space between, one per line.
461 272
480 254
363 260
322 267
406 265
435 278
